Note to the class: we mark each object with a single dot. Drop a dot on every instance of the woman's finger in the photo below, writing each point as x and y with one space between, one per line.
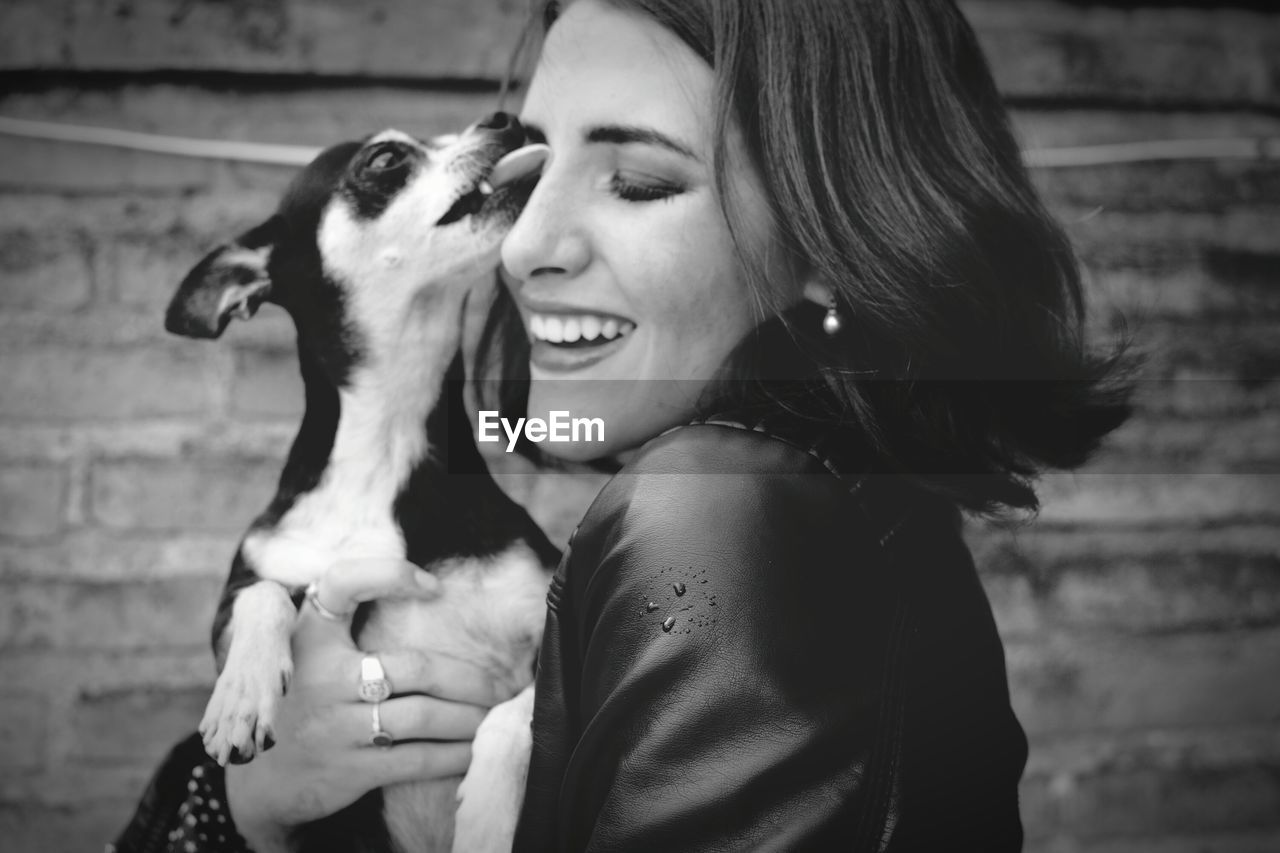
347 583
443 676
333 668
350 582
317 631
413 718
413 762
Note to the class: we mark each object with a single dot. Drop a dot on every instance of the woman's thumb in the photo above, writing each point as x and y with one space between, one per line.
350 582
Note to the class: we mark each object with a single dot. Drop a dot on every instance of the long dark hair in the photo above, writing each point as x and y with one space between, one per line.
893 174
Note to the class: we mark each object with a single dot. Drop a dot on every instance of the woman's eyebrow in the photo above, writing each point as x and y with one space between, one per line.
623 134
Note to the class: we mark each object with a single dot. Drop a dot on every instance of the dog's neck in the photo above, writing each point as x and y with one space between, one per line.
383 408
371 431
379 456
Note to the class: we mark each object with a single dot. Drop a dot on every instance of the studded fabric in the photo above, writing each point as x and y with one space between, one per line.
184 809
203 825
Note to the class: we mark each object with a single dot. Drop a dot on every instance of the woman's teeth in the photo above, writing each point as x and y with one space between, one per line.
581 328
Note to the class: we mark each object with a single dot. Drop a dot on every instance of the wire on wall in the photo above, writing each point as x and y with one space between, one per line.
1234 148
178 146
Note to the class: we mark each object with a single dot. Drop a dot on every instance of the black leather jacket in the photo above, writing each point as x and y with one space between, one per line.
748 650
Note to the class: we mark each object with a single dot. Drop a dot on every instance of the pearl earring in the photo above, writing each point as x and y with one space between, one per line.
832 323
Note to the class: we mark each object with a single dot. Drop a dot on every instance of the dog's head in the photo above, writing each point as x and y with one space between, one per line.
366 230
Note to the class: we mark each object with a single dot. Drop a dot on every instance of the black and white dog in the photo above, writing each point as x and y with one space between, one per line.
373 251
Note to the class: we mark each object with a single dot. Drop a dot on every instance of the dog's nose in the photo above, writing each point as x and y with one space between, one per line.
497 121
507 126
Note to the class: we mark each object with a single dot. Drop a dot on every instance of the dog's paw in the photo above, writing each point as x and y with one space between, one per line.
240 718
492 792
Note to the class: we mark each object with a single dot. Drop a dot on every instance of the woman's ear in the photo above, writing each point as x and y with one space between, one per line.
817 291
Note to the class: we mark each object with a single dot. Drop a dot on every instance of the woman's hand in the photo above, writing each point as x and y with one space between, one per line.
323 760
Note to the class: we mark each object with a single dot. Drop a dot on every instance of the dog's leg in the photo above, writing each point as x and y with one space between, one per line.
492 792
241 713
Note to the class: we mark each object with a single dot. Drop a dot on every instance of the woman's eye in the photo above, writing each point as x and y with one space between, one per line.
630 190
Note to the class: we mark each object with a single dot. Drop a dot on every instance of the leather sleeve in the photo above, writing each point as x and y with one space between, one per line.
721 669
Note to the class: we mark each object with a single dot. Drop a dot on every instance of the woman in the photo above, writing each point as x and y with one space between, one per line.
804 223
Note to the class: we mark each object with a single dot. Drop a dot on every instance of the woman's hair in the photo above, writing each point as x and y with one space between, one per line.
894 177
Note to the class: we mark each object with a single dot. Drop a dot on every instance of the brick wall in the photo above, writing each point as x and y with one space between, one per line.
1141 613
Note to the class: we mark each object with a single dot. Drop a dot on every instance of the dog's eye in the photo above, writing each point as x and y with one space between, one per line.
384 157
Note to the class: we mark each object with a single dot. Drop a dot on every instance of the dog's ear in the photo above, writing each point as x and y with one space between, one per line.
231 281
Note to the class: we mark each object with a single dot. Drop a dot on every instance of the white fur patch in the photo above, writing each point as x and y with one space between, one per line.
492 792
391 134
381 437
260 613
255 672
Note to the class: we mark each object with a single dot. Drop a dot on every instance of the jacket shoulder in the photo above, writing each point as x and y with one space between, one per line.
736 501
733 447
697 475
727 484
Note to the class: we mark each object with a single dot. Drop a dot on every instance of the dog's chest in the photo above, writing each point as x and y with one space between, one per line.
350 512
342 519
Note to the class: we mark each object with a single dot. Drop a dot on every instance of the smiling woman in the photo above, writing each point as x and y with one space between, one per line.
718 204
775 242
623 267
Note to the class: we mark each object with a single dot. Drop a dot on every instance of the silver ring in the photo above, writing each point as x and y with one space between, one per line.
313 595
374 686
380 737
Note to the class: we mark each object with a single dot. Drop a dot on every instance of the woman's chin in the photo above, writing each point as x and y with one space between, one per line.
580 451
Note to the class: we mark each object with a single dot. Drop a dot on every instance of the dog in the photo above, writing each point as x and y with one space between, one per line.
372 252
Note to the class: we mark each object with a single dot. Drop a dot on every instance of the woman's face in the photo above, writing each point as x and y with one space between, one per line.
621 263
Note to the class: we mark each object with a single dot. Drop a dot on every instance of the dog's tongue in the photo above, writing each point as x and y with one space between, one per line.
516 164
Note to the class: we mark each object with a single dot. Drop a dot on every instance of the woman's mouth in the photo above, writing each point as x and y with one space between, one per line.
577 329
562 342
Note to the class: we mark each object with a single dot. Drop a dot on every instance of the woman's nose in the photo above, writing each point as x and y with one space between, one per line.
548 238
